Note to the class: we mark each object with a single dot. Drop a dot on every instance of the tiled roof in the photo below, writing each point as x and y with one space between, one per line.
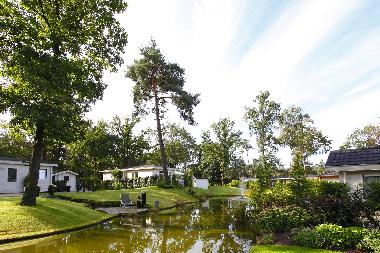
354 157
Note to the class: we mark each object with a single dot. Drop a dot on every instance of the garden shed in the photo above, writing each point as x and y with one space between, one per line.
69 177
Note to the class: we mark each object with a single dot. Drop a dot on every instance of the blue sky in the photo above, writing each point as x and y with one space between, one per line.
322 55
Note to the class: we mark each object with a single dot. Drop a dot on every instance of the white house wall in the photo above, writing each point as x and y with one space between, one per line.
22 172
72 180
107 176
355 178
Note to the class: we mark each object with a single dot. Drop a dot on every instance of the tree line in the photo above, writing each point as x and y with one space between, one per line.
52 58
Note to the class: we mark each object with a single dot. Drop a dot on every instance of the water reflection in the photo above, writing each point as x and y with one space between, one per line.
204 228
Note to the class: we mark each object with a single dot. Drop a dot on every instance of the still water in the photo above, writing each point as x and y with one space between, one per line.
207 227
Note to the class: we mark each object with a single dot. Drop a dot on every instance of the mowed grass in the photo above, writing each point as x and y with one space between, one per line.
217 191
166 197
286 249
49 215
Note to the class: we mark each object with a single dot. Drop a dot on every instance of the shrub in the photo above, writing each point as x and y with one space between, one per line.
373 194
234 183
51 189
371 241
282 219
306 237
116 185
279 195
337 189
266 239
330 236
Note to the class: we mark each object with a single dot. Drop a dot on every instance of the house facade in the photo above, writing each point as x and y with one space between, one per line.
355 167
69 177
139 171
13 172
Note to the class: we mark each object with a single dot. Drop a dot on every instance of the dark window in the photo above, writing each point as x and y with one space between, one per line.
66 178
12 175
135 175
367 180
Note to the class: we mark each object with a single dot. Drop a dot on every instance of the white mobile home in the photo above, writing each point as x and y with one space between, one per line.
14 170
69 177
139 171
200 183
355 167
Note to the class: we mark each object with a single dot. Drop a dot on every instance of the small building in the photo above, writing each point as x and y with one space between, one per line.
355 167
13 172
139 171
69 177
200 183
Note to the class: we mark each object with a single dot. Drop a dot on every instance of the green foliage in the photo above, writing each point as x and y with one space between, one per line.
279 195
337 189
330 236
266 239
117 174
180 145
14 142
117 185
52 58
366 137
373 194
282 219
371 241
159 81
263 121
221 153
234 183
298 133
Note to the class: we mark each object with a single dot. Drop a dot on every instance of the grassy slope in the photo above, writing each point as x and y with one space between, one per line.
217 191
166 197
48 216
286 249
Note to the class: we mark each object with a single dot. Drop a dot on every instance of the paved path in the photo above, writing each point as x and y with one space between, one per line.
122 210
10 194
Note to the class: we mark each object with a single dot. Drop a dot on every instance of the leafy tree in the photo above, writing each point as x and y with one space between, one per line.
130 148
117 174
14 142
298 133
179 144
221 158
366 137
52 57
160 81
263 120
92 153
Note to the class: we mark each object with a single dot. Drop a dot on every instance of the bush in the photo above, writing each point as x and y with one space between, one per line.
51 189
330 236
116 185
234 183
371 242
373 194
61 185
266 239
282 219
337 189
279 195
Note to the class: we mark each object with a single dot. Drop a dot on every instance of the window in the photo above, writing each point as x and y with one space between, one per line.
12 175
42 174
66 178
367 180
135 174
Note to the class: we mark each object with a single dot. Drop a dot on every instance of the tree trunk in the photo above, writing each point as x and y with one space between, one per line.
31 181
164 161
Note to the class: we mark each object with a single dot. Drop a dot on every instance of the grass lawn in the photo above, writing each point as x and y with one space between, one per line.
286 249
49 215
217 191
166 197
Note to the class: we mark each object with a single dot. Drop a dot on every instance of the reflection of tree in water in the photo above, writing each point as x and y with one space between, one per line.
199 229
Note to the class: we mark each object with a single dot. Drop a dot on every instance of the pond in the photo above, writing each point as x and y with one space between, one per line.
207 227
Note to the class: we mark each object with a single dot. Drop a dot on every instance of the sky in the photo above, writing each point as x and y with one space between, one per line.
321 55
